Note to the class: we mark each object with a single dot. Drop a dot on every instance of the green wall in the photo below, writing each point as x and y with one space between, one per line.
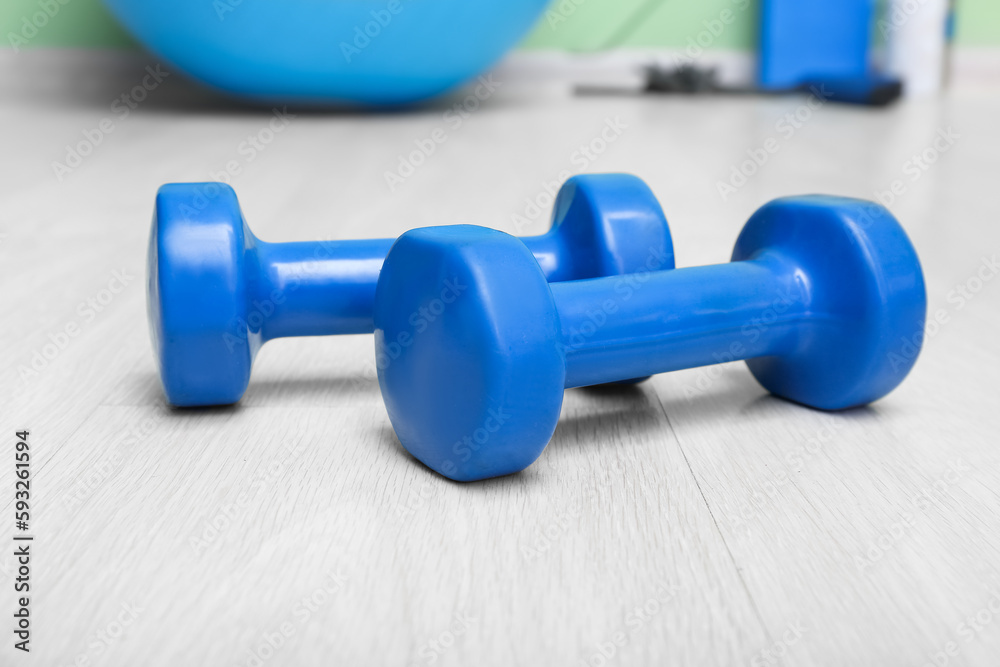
593 24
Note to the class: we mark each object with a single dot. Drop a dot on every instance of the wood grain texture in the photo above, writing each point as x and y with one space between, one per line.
693 519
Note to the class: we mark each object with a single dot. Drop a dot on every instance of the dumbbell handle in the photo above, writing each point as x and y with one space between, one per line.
319 288
629 326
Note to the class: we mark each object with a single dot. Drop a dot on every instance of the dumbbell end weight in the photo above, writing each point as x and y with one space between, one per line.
864 292
216 293
603 225
474 392
197 293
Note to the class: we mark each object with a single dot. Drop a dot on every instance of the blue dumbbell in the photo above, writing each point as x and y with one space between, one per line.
824 298
216 293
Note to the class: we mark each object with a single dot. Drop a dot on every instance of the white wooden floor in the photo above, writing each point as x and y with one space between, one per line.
692 520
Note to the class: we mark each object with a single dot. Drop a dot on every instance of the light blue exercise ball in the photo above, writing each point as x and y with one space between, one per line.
367 52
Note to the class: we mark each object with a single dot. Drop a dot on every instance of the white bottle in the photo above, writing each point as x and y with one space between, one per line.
917 43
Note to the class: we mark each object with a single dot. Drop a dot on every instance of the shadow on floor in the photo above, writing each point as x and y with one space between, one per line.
94 80
311 391
598 415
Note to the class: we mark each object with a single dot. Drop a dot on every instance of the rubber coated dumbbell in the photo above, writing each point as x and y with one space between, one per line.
216 293
824 297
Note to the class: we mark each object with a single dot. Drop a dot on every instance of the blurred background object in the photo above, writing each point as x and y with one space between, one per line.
394 51
917 36
803 39
820 44
370 52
